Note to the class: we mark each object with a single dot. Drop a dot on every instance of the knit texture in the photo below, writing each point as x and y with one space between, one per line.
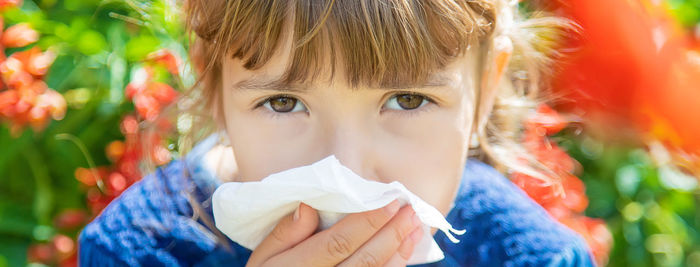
153 224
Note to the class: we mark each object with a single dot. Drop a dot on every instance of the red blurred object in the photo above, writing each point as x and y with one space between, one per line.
89 177
149 96
162 92
5 4
165 58
44 253
13 73
70 219
129 126
637 69
115 150
24 98
64 245
61 251
117 182
564 194
147 106
38 63
547 119
126 156
595 232
71 261
19 35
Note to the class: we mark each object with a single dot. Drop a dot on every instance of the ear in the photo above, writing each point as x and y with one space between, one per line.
496 62
221 160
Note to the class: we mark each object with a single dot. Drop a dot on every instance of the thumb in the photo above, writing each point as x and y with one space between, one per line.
291 230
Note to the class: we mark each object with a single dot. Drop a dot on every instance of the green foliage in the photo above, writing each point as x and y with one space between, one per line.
98 44
653 221
686 11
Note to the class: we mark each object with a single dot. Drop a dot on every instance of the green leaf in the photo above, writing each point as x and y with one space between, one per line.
137 48
91 42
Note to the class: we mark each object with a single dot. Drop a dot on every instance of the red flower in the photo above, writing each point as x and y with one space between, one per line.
14 74
547 119
129 126
8 99
39 63
19 35
43 253
563 198
147 106
165 58
65 246
162 92
70 219
149 96
117 183
4 4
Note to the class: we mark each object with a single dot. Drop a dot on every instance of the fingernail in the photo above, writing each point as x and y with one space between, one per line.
415 220
297 213
416 235
392 208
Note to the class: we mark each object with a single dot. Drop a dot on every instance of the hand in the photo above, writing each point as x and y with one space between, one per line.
381 237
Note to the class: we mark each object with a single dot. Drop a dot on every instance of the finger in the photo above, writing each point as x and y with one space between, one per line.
401 257
287 233
335 244
406 248
385 243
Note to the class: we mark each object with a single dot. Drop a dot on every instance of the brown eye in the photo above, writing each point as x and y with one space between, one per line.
406 101
284 104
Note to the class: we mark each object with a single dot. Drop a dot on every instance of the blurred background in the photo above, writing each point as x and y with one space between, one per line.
80 78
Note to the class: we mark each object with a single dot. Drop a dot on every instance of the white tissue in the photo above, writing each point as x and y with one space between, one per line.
247 212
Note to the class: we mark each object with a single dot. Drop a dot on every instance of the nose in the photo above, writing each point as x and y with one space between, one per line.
352 144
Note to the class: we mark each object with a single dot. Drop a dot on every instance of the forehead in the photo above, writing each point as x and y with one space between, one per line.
273 74
271 77
388 44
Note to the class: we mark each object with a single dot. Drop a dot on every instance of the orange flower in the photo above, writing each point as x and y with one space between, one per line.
19 35
5 4
39 63
13 73
147 106
115 150
8 99
54 103
162 92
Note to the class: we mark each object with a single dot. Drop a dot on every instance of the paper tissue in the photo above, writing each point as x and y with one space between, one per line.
247 212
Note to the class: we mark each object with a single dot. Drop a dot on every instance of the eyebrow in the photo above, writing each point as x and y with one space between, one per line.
267 84
278 84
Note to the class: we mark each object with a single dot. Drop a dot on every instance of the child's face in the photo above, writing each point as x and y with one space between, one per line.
382 134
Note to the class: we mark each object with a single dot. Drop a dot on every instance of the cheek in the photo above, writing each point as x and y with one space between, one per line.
428 155
262 143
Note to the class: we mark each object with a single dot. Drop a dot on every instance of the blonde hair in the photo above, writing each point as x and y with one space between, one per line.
385 43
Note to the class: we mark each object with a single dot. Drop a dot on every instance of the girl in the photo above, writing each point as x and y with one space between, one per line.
397 90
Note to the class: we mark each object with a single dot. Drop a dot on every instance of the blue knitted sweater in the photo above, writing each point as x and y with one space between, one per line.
153 224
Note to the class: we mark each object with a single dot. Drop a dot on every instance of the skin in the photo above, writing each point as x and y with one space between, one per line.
370 132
